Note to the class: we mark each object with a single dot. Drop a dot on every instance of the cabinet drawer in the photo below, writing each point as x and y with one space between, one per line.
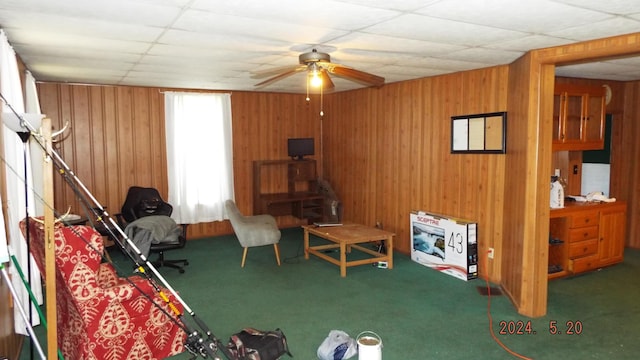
583 264
585 233
584 219
583 248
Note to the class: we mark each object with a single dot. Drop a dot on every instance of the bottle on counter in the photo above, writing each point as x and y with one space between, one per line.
557 193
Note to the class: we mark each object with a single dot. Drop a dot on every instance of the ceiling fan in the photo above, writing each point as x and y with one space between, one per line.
318 65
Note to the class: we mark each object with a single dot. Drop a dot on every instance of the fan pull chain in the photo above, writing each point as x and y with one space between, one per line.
308 80
321 101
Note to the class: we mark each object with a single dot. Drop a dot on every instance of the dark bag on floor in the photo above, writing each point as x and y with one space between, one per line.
252 344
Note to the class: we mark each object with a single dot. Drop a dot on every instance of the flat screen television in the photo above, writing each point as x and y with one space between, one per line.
298 148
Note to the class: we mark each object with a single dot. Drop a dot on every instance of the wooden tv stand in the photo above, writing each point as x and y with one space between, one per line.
287 187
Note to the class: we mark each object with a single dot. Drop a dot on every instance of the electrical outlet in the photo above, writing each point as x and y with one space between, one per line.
491 252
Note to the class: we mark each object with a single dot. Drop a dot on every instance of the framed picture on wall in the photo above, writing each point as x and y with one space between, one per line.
479 133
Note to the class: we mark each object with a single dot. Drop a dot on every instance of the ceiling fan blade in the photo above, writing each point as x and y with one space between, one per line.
327 83
275 71
278 77
356 75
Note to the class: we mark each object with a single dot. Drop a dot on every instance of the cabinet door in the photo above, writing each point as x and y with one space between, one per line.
302 176
612 235
574 113
578 117
594 120
558 115
302 171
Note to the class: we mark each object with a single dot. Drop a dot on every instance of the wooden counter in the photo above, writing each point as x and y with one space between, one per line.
585 236
572 206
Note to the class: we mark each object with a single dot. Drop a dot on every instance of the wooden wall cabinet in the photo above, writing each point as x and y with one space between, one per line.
578 117
585 237
287 187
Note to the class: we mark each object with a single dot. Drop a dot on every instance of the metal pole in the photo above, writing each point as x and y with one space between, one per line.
24 315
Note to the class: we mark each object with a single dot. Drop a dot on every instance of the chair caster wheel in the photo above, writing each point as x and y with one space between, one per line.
186 263
181 271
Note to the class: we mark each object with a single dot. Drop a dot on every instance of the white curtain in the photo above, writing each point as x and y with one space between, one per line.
11 89
4 250
199 155
32 104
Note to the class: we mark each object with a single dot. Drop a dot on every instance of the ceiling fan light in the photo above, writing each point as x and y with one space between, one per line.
315 79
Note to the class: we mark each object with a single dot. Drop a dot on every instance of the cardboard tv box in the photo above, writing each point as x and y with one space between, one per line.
446 244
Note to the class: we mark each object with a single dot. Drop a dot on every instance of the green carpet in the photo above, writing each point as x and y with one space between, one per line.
419 313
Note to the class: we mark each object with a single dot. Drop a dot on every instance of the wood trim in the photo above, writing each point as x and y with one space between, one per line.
593 50
529 293
50 246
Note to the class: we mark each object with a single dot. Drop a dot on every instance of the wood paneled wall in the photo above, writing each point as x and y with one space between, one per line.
116 140
524 261
387 152
386 156
625 164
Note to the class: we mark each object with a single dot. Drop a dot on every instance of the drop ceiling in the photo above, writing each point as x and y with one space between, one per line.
221 45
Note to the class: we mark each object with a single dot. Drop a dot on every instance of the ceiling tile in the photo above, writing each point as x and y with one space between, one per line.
606 28
381 44
485 56
319 14
527 43
116 11
205 22
432 29
223 41
60 25
222 44
616 7
532 16
34 39
402 5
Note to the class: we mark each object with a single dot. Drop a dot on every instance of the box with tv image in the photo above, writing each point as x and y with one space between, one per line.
445 244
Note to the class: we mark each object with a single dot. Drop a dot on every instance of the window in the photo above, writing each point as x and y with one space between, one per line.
199 155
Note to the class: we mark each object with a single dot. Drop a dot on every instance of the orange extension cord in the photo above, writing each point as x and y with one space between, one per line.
493 335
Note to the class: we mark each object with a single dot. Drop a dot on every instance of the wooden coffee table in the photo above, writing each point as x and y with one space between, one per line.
346 237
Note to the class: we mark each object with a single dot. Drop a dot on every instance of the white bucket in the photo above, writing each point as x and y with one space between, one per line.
369 346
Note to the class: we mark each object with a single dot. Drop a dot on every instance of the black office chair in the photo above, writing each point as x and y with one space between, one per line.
145 202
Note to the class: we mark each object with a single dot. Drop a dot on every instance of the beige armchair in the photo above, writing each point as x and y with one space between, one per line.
257 230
